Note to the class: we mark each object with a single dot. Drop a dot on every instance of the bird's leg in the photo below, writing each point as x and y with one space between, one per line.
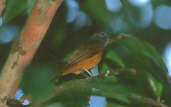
89 73
85 75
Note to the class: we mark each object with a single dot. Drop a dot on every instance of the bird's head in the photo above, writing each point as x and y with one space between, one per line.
102 37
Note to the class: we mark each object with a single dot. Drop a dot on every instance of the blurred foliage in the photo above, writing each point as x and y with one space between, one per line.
37 81
14 8
148 87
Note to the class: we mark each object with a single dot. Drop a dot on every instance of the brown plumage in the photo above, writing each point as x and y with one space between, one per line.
87 56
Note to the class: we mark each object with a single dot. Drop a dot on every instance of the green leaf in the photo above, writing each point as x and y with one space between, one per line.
55 105
115 58
105 67
144 57
153 54
71 95
37 81
16 7
111 104
156 86
99 13
108 87
13 8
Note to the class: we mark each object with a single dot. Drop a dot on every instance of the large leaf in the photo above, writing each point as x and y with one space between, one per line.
154 55
144 56
82 88
37 81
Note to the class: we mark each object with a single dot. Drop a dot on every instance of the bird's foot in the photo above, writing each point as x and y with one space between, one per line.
87 74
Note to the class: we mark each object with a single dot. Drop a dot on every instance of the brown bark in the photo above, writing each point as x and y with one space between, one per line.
24 49
2 6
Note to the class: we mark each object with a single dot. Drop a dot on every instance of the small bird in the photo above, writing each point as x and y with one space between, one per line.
87 56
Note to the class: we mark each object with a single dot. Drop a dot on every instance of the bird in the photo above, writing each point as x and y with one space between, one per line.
87 56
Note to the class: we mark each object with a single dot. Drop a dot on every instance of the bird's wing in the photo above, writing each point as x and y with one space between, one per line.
84 52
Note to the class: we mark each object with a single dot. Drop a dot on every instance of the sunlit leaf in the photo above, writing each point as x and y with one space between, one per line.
156 86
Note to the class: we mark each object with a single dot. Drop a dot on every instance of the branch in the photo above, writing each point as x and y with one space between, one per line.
2 6
24 49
